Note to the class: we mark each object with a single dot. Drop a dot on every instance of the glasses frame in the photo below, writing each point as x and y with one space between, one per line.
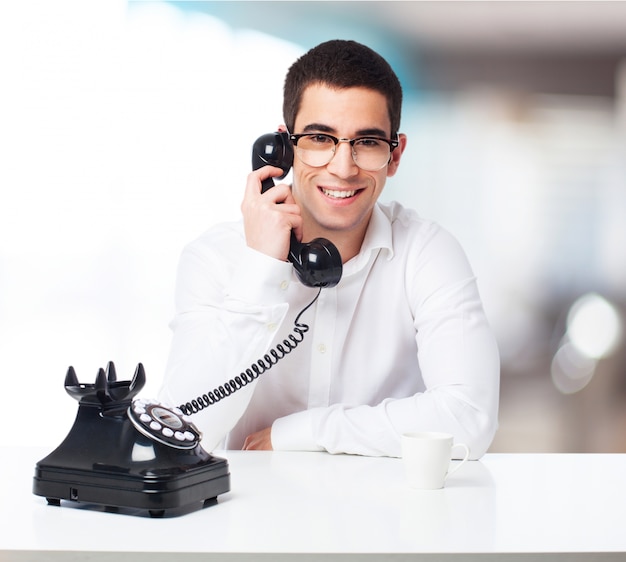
393 144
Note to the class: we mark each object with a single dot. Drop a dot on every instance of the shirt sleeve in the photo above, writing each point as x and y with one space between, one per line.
230 301
459 364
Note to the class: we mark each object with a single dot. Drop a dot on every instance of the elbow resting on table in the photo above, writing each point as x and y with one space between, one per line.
472 418
476 426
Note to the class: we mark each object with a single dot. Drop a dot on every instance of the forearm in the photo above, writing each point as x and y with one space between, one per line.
225 321
376 430
207 351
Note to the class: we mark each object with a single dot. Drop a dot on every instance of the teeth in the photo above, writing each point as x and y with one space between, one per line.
338 194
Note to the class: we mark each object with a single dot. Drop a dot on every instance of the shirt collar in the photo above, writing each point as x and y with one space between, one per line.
377 237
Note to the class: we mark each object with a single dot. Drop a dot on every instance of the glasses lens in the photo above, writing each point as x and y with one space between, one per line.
371 154
315 150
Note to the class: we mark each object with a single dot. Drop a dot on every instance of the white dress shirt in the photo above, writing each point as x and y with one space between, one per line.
400 344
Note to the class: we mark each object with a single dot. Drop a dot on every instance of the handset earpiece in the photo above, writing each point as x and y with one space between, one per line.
272 149
317 263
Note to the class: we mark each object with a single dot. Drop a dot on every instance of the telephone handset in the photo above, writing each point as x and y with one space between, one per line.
131 453
317 263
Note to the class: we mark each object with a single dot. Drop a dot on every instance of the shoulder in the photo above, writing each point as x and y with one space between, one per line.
223 240
423 246
208 260
412 231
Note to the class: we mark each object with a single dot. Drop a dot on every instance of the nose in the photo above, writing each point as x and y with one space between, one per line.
342 163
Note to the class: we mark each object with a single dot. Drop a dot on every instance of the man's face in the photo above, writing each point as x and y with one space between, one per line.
339 197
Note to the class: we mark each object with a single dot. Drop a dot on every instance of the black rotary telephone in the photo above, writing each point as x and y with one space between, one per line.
132 454
129 455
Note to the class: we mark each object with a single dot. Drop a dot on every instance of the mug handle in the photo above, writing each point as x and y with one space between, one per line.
463 460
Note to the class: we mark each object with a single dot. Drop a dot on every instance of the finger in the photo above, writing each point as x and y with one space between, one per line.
256 178
280 193
251 443
276 200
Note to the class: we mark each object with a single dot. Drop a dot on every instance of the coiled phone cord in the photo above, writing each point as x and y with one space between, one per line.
255 370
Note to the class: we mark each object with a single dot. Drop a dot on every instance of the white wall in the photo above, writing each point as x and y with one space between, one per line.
125 132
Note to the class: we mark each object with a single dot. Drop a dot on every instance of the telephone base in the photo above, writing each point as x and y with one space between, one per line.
106 461
174 493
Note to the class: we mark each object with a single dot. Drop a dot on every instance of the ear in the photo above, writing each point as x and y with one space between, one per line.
282 129
396 155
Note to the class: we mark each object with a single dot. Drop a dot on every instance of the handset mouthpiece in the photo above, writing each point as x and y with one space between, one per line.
317 263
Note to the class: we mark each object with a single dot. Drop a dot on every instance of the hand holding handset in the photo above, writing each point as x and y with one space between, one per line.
162 466
317 263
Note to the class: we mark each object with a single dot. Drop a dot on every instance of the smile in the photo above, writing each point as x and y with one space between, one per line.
339 194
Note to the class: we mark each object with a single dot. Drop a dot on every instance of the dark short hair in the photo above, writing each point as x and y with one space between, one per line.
342 64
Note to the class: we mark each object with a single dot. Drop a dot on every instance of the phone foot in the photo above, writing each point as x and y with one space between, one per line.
54 501
155 513
209 502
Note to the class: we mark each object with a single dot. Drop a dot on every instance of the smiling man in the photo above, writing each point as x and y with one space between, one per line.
400 344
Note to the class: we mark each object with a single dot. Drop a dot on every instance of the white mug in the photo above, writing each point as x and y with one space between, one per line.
427 457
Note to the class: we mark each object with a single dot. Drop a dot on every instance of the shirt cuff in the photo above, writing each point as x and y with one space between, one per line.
294 433
260 279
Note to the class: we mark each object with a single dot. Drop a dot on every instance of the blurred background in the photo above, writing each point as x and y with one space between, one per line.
125 131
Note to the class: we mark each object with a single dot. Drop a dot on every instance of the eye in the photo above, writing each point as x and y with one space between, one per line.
320 139
368 142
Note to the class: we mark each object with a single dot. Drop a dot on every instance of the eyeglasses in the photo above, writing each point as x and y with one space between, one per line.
369 153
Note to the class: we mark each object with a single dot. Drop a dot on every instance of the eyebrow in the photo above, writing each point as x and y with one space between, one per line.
318 127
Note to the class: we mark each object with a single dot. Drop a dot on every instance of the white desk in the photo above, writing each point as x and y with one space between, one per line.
315 506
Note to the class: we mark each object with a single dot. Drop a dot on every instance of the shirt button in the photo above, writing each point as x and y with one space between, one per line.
284 285
321 348
271 327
